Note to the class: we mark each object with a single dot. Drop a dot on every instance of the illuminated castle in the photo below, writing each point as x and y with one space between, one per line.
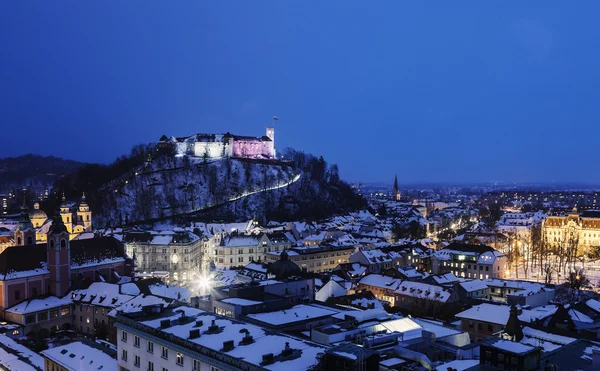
216 146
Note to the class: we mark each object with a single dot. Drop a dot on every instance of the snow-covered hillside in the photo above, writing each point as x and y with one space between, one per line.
171 186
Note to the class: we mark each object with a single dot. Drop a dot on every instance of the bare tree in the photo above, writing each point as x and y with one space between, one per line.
547 270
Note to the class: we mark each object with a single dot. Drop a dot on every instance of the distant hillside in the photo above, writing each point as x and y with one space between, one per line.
147 186
34 171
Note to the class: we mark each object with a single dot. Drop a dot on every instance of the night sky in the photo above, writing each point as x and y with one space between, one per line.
479 92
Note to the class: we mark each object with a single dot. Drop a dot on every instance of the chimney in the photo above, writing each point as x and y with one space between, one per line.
267 359
194 334
199 323
165 323
227 346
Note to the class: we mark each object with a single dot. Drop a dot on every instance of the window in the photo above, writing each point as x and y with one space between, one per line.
124 336
470 324
150 366
150 347
241 259
179 359
34 290
30 319
42 316
17 295
63 312
136 361
196 364
500 358
136 341
165 353
487 269
165 369
490 328
124 355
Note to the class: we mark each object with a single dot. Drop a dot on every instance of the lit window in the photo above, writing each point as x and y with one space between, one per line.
179 359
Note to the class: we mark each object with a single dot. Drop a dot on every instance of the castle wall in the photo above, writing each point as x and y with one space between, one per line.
212 149
253 148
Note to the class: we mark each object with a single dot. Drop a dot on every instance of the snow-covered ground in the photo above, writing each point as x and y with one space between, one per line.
172 186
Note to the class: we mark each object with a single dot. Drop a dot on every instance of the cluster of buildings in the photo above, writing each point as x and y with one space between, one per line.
218 146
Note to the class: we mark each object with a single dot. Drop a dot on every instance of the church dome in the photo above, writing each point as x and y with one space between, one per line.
284 268
36 213
24 222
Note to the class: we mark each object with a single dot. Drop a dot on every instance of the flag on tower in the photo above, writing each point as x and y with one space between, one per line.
275 118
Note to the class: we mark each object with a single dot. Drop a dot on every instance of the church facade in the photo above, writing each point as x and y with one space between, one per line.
218 146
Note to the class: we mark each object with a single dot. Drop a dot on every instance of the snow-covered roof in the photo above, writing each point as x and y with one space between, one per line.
241 240
135 305
458 365
424 291
376 256
512 346
546 340
14 356
499 314
102 294
379 280
240 301
77 356
36 305
295 314
593 304
473 285
264 341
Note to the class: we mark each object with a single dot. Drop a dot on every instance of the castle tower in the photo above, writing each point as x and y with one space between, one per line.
58 254
24 233
84 215
66 214
396 191
271 135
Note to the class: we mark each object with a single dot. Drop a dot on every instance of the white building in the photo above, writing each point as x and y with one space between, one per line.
192 339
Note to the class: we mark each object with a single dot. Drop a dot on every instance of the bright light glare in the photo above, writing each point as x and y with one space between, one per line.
204 282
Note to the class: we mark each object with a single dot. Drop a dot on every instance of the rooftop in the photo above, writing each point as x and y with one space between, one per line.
246 352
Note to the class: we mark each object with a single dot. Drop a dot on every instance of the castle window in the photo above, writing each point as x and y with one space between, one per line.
51 244
29 240
63 244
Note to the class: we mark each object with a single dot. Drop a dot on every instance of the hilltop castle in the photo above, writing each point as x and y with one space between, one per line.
216 146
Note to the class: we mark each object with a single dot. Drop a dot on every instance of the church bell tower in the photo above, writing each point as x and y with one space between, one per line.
58 254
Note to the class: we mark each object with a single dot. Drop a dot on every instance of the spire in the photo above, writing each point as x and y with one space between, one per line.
396 183
513 326
57 224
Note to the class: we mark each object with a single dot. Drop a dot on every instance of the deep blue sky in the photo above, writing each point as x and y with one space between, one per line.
477 92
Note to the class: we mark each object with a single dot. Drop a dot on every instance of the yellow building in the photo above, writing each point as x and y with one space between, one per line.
78 220
573 228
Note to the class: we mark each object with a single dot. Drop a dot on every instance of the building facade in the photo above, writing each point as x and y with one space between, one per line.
217 146
177 254
572 230
318 259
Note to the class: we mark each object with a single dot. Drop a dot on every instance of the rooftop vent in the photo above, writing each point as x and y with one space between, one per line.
213 327
227 346
194 334
165 323
267 359
287 351
247 339
199 323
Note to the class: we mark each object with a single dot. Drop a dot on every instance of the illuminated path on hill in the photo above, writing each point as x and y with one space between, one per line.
282 185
